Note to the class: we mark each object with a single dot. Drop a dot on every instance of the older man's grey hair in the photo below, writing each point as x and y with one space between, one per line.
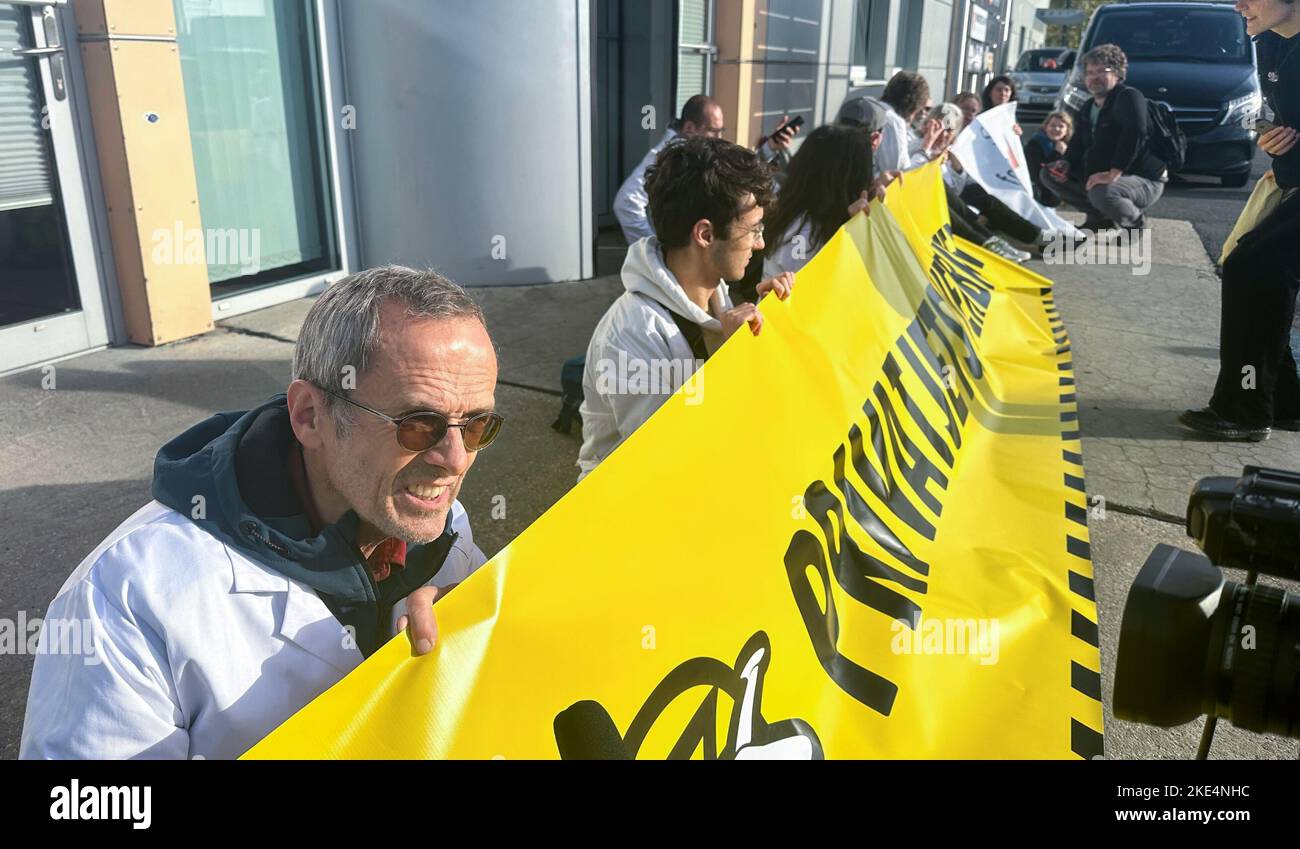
341 333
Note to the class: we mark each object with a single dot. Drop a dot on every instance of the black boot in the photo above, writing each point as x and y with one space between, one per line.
1210 423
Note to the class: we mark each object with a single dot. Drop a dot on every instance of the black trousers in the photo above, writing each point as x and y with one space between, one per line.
1001 217
1258 382
965 223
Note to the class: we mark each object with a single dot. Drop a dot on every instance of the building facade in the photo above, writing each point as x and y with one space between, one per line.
168 163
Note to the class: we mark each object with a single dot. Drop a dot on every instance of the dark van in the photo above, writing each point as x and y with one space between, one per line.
1196 58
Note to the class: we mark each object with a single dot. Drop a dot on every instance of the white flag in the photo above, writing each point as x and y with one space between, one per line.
991 154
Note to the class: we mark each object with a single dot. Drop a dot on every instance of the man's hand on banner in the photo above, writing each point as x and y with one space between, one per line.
862 204
733 319
882 182
781 284
1103 178
1015 128
420 625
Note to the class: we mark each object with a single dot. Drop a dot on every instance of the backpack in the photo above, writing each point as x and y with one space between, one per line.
570 393
1167 141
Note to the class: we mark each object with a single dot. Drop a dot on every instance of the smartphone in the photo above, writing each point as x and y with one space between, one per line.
1262 126
794 124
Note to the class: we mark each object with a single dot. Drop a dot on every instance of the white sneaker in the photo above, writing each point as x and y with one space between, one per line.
1003 249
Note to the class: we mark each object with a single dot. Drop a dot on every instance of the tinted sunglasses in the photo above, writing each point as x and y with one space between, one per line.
421 431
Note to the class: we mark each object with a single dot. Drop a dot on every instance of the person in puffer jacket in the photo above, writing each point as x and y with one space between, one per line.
707 198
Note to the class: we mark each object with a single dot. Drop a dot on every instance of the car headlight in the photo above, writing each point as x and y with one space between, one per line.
1074 96
1243 110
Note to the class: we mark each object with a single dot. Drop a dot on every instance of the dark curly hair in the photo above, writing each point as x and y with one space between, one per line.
1108 55
987 97
830 172
703 178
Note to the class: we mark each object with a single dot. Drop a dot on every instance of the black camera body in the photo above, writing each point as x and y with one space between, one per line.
1192 641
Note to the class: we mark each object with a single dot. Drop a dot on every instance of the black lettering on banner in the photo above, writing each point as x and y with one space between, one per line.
921 469
873 690
928 326
959 330
951 315
854 567
886 489
946 401
962 285
895 375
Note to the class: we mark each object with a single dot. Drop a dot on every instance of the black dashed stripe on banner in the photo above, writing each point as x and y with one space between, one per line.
1084 628
1082 586
1085 680
1084 742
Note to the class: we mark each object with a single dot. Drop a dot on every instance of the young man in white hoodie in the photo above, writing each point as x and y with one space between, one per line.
706 202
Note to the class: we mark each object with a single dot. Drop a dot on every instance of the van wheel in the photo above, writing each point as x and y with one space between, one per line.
1236 181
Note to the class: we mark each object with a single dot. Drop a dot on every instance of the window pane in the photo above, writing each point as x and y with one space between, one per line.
695 22
253 94
691 68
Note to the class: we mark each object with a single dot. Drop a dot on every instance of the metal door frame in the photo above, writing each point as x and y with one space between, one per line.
98 321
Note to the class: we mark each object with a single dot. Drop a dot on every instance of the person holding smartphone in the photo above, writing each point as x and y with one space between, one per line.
1258 389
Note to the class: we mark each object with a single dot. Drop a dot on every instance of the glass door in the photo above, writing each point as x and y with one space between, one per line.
50 295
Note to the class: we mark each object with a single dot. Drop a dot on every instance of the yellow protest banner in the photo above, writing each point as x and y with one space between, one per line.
861 534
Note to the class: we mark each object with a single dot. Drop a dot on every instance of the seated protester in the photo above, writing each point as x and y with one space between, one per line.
867 115
701 117
1000 91
707 198
970 105
285 544
905 96
1108 172
1045 147
941 129
828 183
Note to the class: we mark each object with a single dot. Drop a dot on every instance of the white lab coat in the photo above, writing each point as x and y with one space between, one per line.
893 153
631 202
198 650
638 330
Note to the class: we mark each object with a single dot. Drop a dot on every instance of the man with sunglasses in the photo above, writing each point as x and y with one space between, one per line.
284 544
707 199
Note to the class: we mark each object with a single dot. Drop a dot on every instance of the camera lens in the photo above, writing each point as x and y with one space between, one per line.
1193 642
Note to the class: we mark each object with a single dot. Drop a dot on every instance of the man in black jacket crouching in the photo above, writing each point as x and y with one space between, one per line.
1108 171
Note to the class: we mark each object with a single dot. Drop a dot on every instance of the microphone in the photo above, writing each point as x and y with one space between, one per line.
585 732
